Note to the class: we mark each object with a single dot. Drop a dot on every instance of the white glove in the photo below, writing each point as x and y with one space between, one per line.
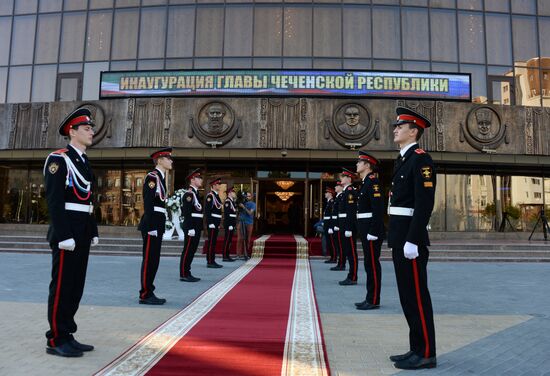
410 250
347 234
230 228
95 241
336 228
371 237
211 225
153 233
330 231
67 244
191 232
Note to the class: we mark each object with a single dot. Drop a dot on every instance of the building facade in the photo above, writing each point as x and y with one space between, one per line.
492 155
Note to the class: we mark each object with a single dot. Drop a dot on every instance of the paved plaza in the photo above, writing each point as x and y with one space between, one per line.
491 318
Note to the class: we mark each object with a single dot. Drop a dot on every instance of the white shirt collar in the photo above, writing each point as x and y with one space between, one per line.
404 149
80 153
161 174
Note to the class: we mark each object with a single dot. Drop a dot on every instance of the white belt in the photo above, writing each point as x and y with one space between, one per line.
334 217
342 215
233 215
216 215
326 217
396 210
197 215
159 209
364 215
79 207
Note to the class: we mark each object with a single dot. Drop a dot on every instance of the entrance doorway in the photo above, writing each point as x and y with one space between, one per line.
281 204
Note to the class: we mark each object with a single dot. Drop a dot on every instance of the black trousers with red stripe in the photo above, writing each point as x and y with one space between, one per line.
66 288
412 283
371 252
149 264
331 247
212 240
349 249
338 237
228 238
189 249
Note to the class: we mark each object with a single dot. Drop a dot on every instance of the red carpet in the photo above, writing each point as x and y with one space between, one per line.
245 333
259 320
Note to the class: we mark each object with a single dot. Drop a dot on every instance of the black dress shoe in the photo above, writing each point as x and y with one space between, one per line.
189 278
360 303
214 265
397 358
228 260
368 306
347 282
329 261
152 300
65 350
338 268
416 362
80 346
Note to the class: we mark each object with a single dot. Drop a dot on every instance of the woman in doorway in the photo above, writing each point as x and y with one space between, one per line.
245 225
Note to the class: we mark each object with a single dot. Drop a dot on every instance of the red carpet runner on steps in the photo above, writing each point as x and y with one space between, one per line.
262 319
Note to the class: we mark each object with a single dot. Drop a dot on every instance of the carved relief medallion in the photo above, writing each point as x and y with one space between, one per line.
351 125
215 124
484 129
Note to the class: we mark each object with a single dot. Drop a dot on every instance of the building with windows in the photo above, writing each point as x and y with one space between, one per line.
486 152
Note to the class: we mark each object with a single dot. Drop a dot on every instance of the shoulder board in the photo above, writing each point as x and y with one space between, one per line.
420 151
152 174
372 176
350 188
58 153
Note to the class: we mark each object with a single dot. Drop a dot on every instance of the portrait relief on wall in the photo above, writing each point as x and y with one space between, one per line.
215 124
351 125
484 129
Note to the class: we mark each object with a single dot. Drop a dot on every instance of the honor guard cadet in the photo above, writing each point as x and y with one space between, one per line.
347 223
341 263
213 210
229 223
191 209
327 225
410 206
73 229
370 224
152 224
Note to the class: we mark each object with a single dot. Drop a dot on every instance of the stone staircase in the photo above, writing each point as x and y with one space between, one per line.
494 247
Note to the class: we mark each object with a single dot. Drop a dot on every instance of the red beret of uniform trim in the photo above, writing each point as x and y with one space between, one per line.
330 190
407 116
363 156
347 172
216 181
196 173
80 116
166 152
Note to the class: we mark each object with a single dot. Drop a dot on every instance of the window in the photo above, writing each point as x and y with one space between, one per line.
69 87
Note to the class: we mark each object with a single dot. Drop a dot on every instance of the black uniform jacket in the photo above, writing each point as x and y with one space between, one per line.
213 209
327 215
370 200
153 195
62 188
347 209
191 204
229 213
413 186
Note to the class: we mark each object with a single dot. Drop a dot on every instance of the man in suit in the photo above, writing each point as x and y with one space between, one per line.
327 226
410 206
152 224
370 223
229 223
347 223
73 229
213 209
192 211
